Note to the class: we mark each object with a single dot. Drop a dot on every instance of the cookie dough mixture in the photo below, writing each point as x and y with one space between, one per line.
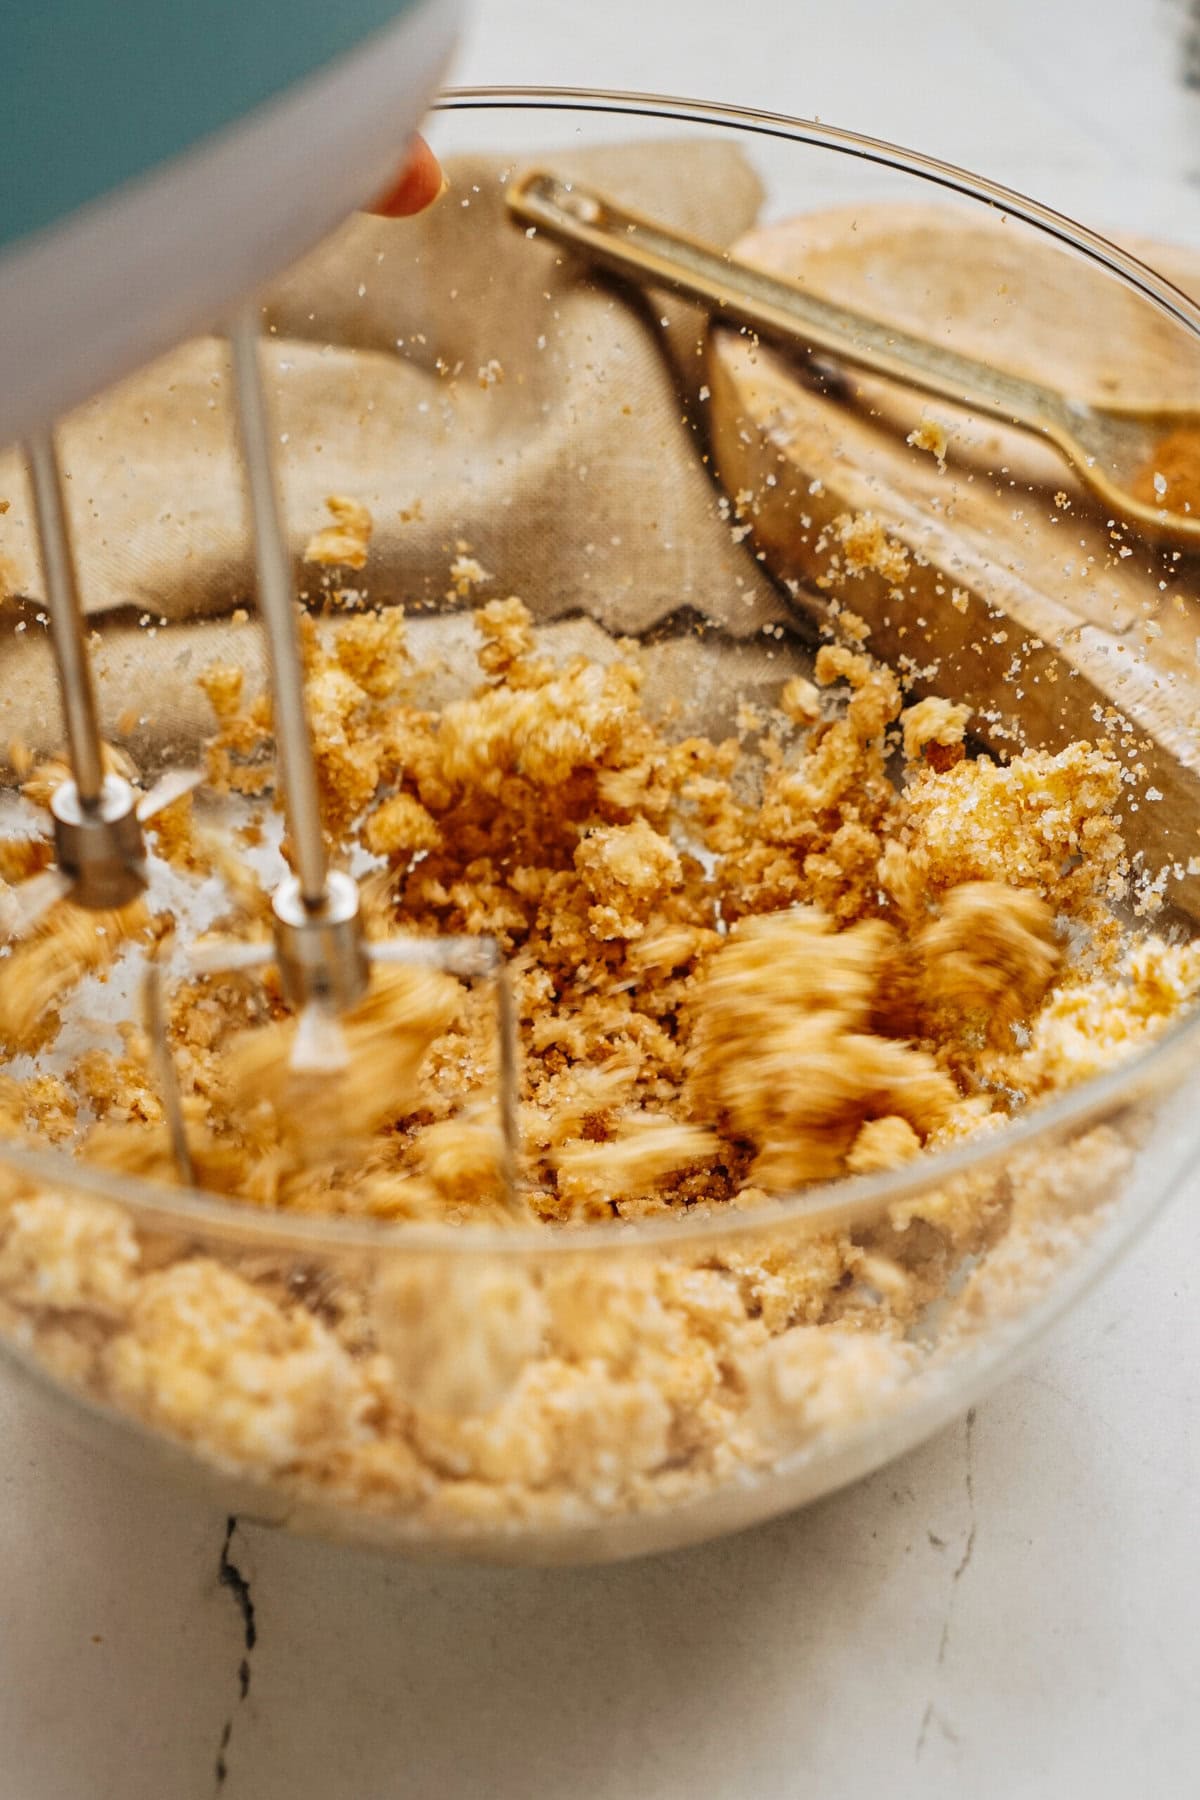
742 964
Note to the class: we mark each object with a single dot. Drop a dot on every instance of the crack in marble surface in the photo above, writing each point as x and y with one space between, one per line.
230 1576
931 1714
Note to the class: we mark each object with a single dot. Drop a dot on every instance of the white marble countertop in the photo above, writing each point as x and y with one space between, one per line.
1009 1612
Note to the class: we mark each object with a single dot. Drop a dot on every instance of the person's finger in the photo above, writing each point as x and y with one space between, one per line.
419 184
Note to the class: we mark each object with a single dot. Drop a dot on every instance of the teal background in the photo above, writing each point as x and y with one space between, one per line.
96 92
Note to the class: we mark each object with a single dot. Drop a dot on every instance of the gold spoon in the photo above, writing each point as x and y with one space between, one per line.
1109 446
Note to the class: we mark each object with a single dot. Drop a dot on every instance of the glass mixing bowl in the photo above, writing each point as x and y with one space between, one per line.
550 1393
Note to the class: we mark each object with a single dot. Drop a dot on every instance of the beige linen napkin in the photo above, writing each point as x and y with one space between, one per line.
474 388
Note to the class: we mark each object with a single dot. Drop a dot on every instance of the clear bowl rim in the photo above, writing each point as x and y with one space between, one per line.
839 1202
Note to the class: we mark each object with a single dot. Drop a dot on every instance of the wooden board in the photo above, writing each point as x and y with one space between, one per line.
1054 621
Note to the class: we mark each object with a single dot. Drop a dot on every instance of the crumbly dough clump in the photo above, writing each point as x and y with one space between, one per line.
931 435
347 540
739 966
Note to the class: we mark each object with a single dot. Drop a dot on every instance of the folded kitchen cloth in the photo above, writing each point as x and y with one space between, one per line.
478 390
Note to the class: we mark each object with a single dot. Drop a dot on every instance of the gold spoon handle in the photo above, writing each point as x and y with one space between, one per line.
782 311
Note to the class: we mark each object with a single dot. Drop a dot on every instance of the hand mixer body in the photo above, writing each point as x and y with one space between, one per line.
160 161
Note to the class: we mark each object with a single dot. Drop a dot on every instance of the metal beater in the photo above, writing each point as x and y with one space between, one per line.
207 147
319 944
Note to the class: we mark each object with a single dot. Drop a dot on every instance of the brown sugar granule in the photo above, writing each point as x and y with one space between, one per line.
866 546
1042 821
1170 477
43 970
991 951
399 826
348 765
508 638
372 648
933 723
346 541
69 1255
633 1157
783 1049
39 786
800 699
882 1144
214 1361
386 1034
466 574
627 870
930 435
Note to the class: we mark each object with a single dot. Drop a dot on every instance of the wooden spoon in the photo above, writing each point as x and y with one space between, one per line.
1110 445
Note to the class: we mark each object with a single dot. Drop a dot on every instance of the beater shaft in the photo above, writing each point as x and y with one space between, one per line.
318 927
277 608
67 630
156 1018
97 831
